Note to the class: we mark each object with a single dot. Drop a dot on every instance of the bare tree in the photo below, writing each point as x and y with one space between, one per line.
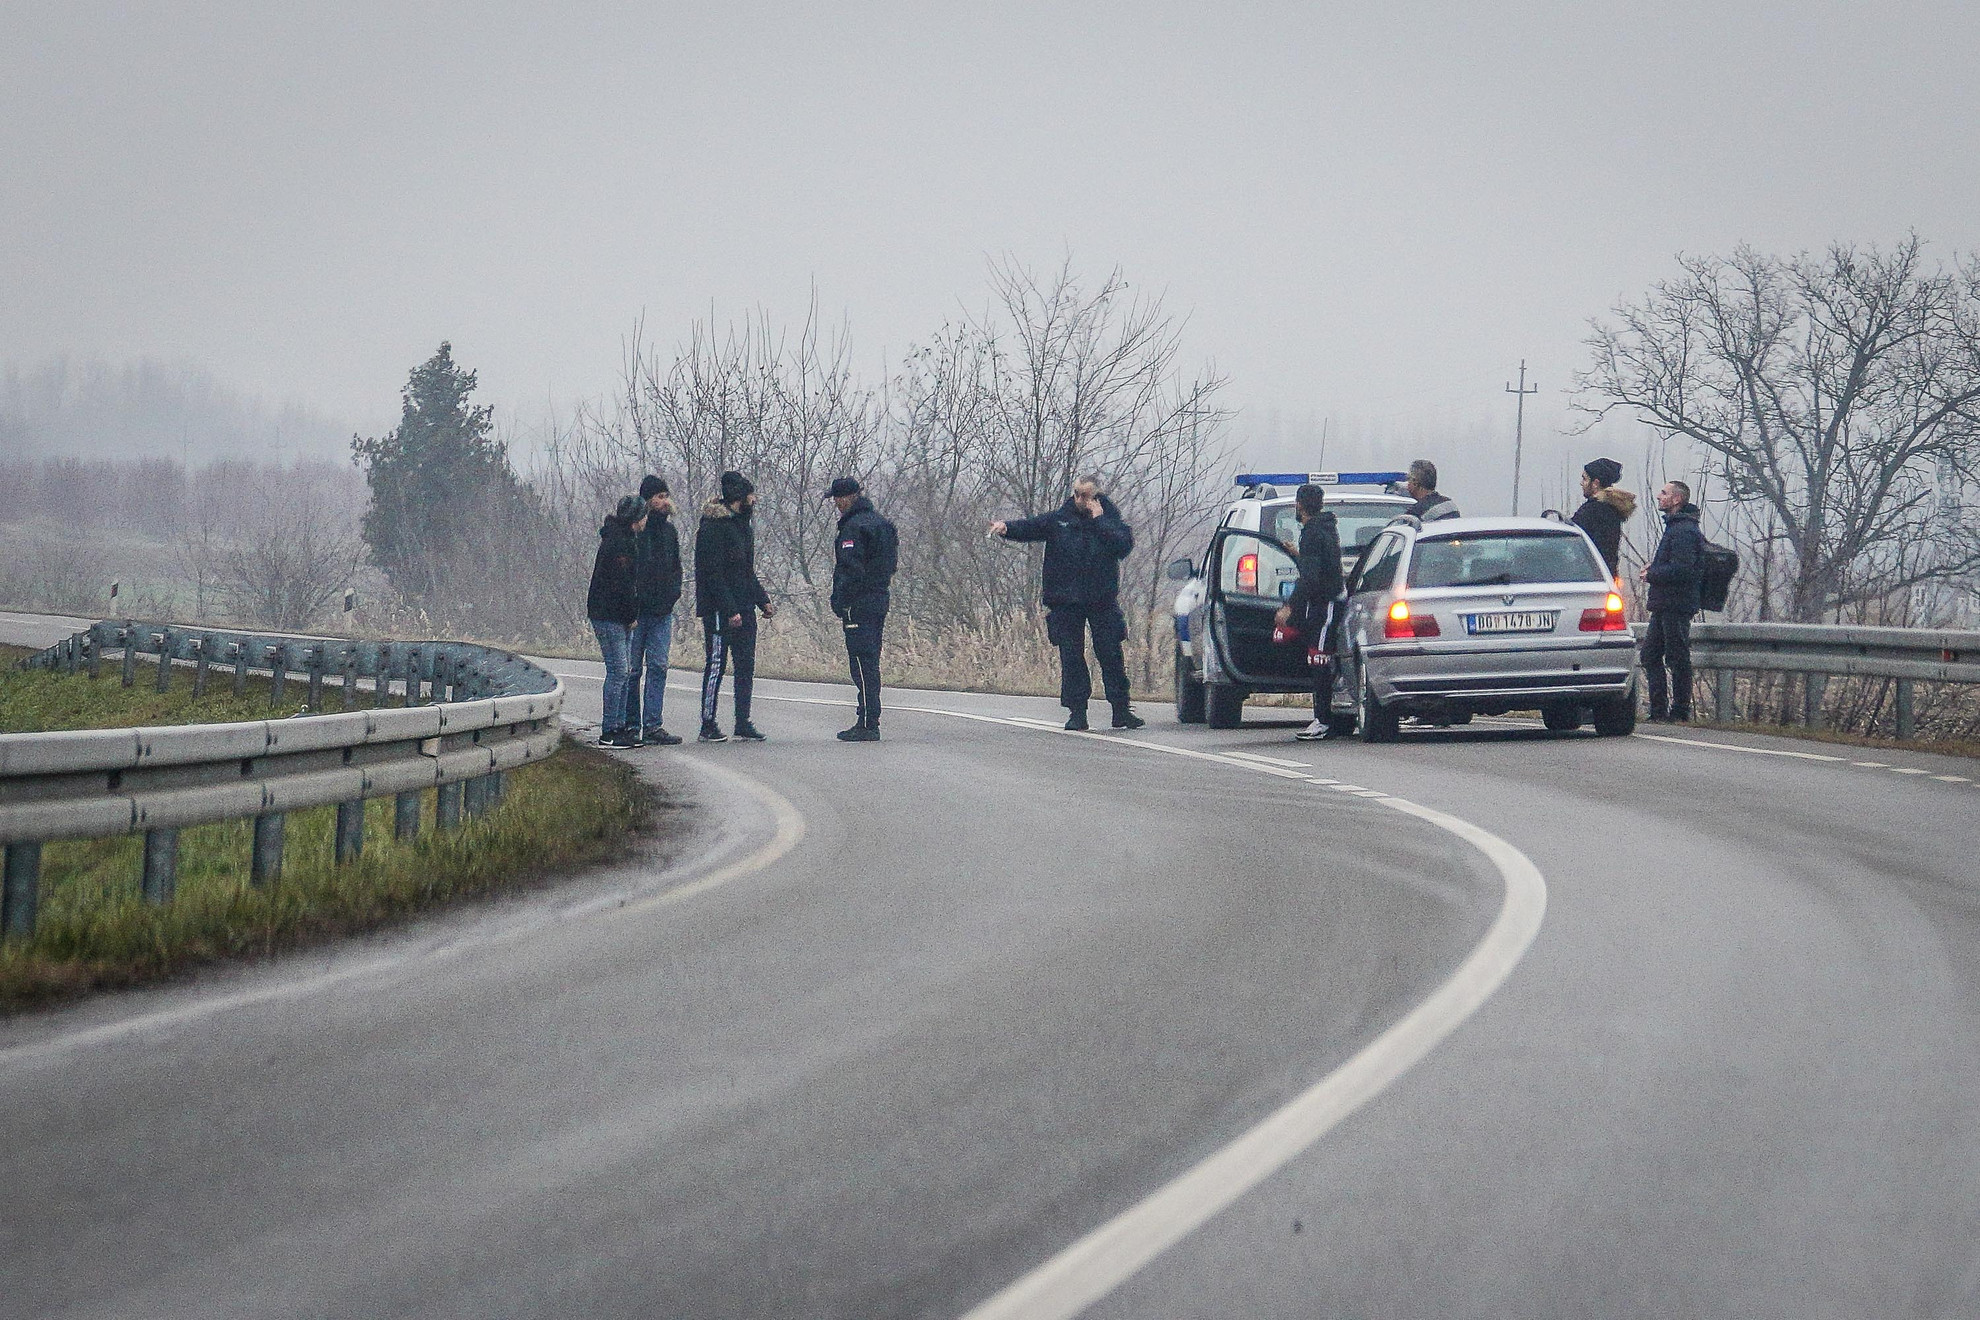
1836 396
290 557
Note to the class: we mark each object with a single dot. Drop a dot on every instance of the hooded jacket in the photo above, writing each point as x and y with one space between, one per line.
1679 564
1602 516
1319 567
725 582
657 569
867 550
1082 555
611 598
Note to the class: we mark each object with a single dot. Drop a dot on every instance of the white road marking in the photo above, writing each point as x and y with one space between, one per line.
1952 779
1737 747
1271 760
1907 770
1875 765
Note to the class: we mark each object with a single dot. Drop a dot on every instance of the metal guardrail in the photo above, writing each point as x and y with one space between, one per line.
1907 656
460 716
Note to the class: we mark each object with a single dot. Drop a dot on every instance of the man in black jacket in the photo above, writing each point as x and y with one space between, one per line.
657 581
611 602
1421 486
1604 509
1085 542
1314 603
1673 573
727 596
865 554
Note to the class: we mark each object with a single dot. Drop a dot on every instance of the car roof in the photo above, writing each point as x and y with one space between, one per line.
1473 526
1333 498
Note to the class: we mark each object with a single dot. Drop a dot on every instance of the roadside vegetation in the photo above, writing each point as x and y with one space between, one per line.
96 931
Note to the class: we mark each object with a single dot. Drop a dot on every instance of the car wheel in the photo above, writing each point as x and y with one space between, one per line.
1189 692
1561 718
1615 717
1377 725
1223 705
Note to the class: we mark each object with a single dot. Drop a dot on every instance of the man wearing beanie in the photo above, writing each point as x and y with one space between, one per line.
657 576
727 596
1604 509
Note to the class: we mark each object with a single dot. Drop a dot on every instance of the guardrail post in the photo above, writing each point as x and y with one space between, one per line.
447 806
350 677
161 865
265 862
474 797
316 677
1907 720
278 664
240 667
74 652
497 785
350 831
95 653
1811 700
405 816
200 660
381 683
20 889
1722 695
164 662
130 655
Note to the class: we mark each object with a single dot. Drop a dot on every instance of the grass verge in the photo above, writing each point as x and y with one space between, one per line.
96 931
38 700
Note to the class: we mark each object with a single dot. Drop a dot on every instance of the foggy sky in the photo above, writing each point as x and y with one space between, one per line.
1369 215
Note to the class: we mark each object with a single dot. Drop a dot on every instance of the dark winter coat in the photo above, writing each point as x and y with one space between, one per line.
867 552
1082 555
612 598
725 582
1679 564
1320 578
1432 508
657 571
1602 516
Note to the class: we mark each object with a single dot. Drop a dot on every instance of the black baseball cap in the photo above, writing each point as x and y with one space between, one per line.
843 486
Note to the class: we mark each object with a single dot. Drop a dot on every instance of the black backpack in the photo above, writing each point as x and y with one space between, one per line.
1721 565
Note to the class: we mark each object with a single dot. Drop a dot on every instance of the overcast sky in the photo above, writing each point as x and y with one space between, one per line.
1371 212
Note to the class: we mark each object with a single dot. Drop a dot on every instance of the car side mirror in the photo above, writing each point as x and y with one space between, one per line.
1181 571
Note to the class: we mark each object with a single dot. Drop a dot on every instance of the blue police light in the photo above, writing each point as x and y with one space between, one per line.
1249 479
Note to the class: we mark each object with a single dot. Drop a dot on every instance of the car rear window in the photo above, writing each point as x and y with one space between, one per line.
1358 524
1503 559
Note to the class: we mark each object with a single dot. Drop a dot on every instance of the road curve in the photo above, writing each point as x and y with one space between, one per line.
1008 984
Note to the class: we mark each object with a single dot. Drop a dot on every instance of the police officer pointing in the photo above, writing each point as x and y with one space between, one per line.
867 550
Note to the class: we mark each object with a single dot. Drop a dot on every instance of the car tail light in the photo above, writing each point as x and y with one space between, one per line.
1607 619
1402 625
1247 577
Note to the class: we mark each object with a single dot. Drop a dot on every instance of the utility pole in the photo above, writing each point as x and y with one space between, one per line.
1519 427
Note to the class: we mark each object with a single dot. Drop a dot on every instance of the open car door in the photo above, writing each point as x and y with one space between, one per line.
1249 577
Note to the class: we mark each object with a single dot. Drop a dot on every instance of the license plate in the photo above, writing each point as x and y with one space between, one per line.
1525 621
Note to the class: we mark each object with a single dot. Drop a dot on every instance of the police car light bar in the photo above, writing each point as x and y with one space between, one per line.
1320 478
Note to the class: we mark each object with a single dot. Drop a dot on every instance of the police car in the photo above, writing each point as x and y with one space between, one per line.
1223 614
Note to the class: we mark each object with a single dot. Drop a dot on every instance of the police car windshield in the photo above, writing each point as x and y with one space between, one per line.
1359 523
1503 559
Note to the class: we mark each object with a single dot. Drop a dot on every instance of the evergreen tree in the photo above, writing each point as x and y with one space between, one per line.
438 483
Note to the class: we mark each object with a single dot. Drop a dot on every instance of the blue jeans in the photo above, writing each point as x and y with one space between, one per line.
613 643
652 641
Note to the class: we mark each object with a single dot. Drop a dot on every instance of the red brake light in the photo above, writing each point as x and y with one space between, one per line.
1401 625
1607 619
1247 574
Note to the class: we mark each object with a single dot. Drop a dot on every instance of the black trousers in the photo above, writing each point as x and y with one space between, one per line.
723 646
1667 642
1066 626
1319 633
863 624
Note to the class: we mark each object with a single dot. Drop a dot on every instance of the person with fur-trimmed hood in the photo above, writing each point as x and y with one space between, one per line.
1604 509
727 596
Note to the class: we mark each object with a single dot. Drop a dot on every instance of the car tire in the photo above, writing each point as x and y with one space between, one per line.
1223 705
1561 718
1615 717
1189 692
1377 724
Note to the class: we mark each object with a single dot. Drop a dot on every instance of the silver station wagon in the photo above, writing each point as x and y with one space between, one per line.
1482 616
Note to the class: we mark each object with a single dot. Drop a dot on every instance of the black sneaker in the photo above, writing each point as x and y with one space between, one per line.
1679 717
1076 722
1125 718
712 732
859 733
658 737
607 738
748 732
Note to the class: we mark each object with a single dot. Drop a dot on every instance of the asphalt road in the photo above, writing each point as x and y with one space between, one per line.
891 1026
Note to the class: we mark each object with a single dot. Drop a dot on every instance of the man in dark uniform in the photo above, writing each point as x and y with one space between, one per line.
1315 602
866 551
1085 542
1674 574
727 596
1431 505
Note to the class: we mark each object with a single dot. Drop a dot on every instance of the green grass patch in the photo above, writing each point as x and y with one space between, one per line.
38 700
96 931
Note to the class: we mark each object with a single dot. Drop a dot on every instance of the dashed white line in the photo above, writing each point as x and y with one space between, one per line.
1271 760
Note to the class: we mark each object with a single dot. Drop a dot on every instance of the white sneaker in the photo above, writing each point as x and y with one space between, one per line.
1312 732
